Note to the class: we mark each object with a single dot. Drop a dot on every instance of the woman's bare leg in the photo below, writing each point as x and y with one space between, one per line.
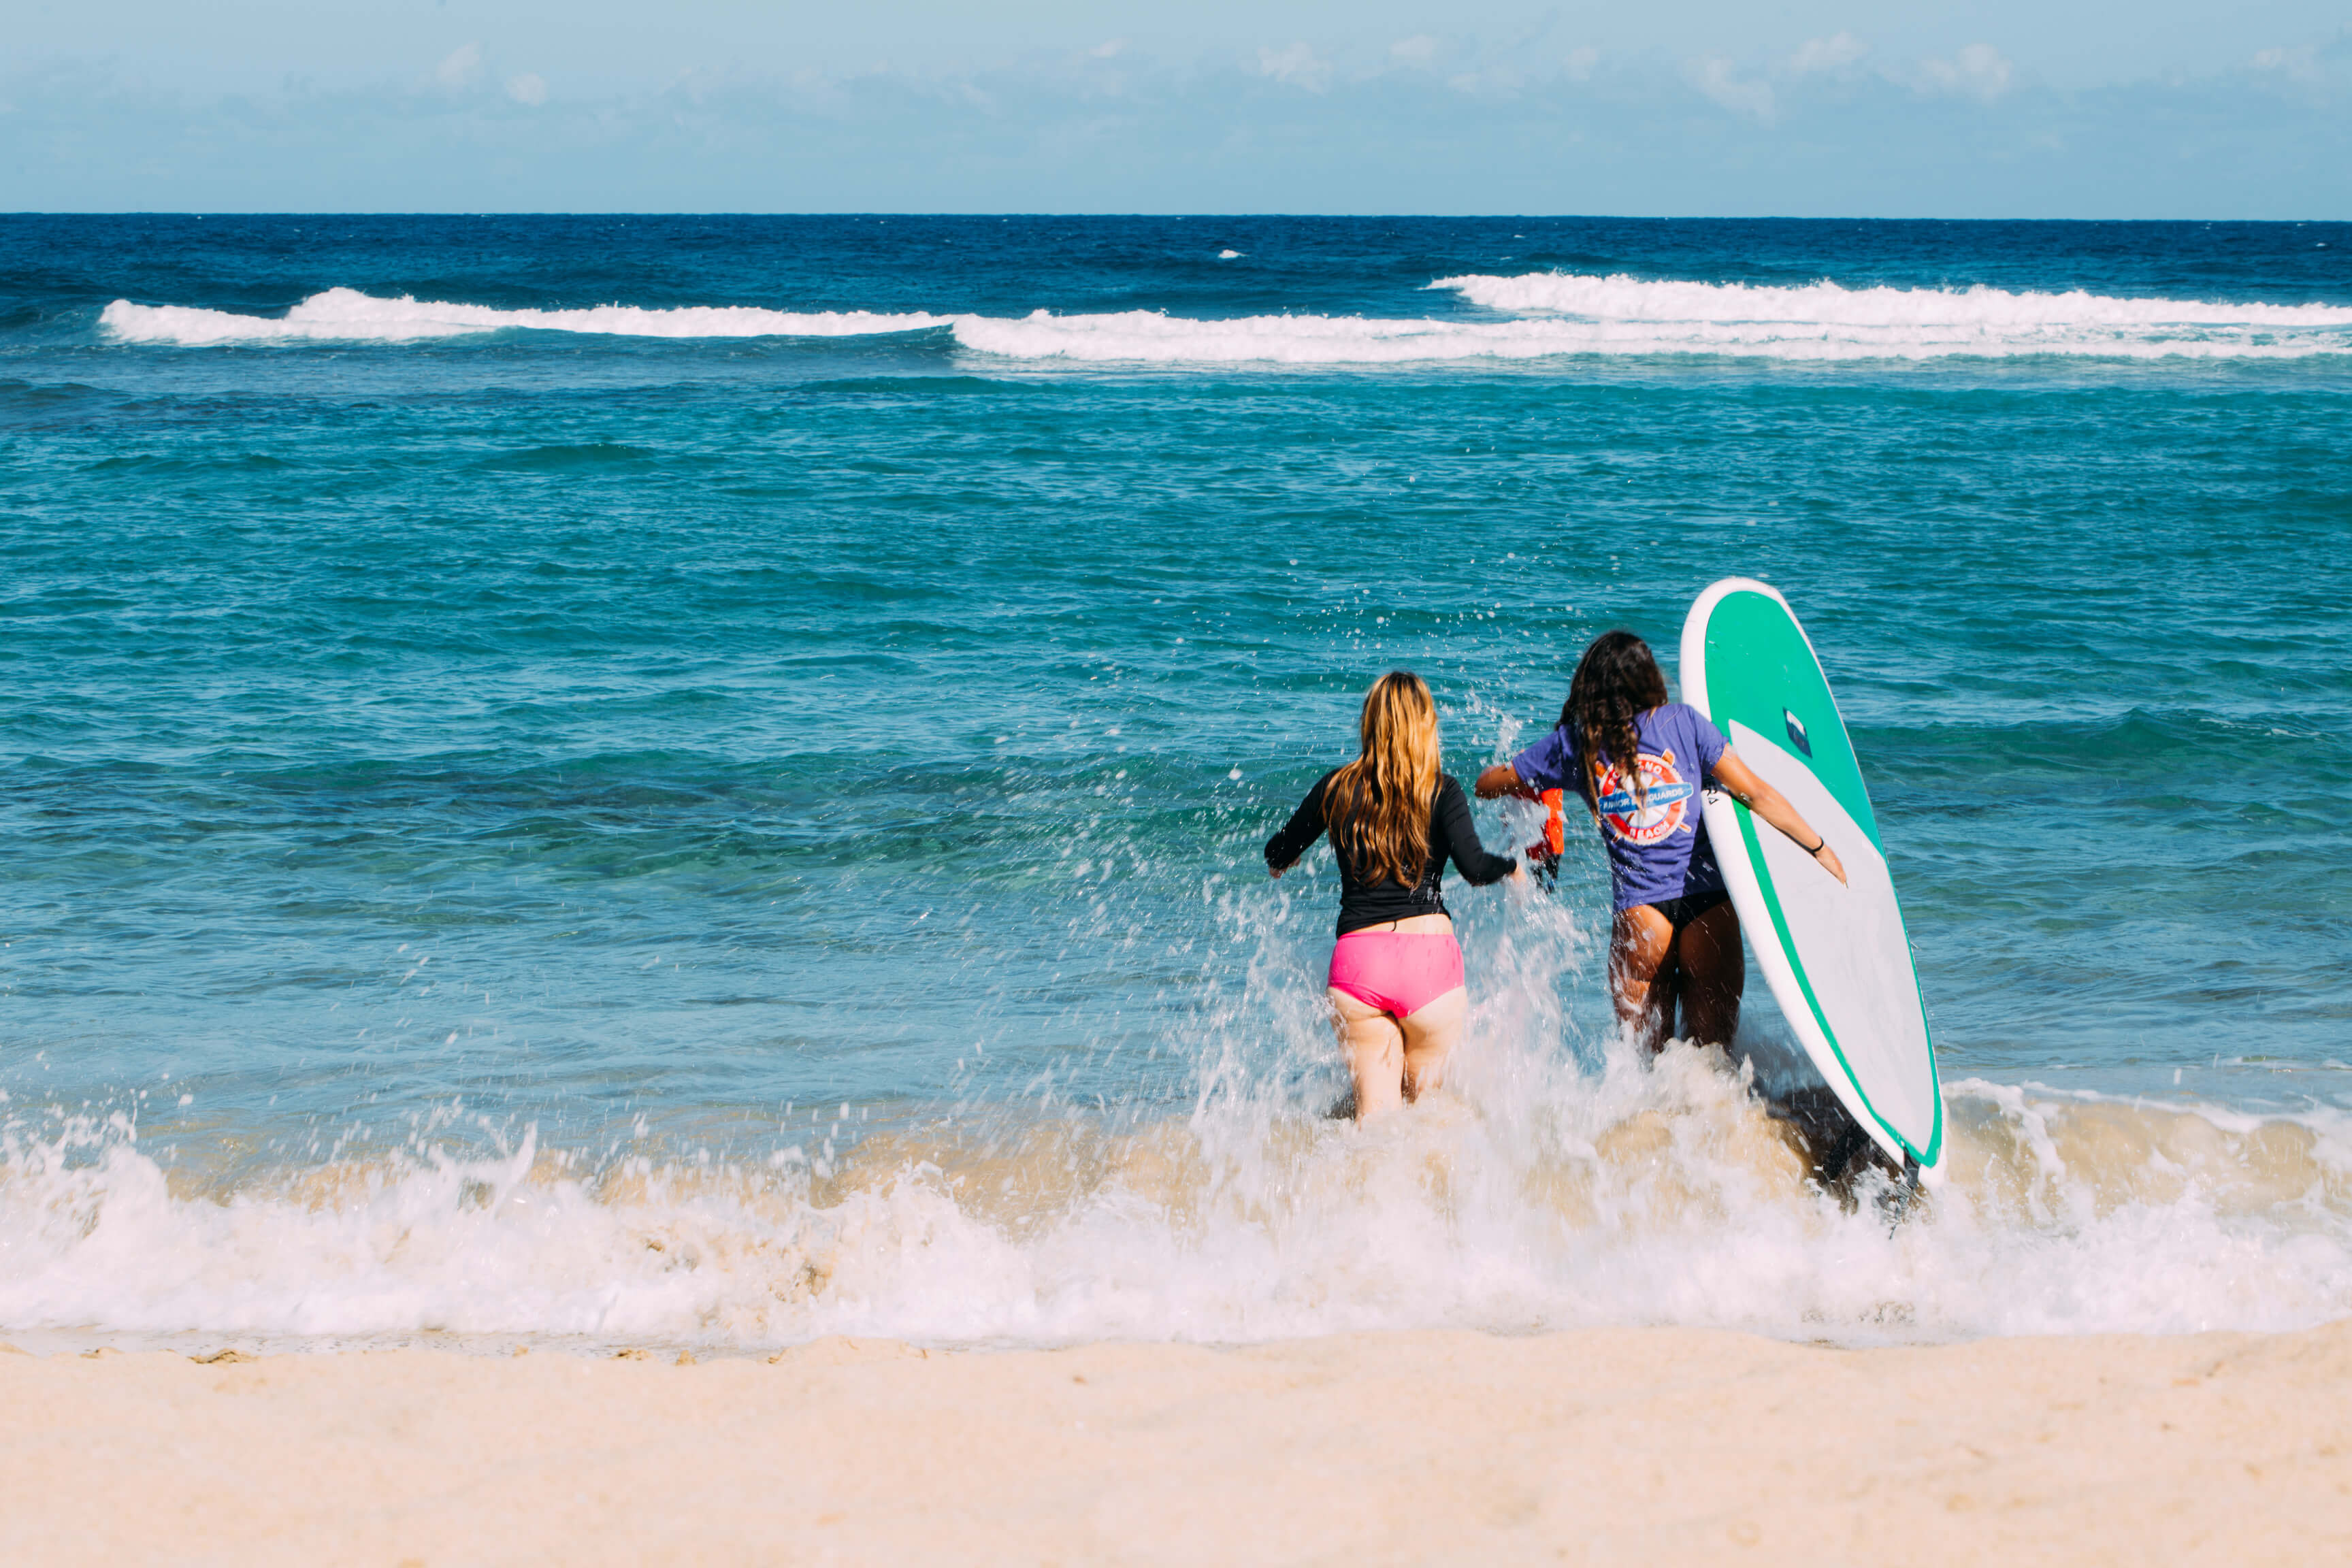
1642 976
1374 1045
1431 1033
1714 973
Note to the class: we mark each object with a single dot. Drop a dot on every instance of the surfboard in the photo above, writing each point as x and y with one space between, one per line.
1837 958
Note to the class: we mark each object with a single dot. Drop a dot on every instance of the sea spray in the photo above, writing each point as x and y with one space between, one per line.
1535 1193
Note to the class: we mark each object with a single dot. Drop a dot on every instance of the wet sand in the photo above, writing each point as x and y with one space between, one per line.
1602 1447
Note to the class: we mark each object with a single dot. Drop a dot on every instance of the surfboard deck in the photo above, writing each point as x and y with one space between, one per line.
1836 958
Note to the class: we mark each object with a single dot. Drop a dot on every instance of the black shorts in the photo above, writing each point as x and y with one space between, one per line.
1680 912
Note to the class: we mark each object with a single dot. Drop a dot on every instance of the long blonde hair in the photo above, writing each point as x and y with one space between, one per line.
1377 807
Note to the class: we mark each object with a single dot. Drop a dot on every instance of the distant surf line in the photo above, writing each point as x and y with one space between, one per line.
1535 316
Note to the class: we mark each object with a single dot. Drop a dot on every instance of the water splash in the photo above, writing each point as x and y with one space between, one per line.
1550 1188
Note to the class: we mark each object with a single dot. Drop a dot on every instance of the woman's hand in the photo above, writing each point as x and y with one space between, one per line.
1830 862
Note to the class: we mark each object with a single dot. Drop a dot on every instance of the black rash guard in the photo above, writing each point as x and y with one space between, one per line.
1451 835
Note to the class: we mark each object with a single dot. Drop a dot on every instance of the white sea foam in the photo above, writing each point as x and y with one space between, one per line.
1553 315
346 315
1683 1209
1560 314
1537 1193
1830 321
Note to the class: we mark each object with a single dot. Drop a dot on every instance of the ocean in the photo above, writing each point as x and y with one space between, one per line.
700 780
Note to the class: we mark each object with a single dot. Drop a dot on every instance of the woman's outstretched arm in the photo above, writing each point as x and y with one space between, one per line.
1773 806
1501 780
1299 834
1458 836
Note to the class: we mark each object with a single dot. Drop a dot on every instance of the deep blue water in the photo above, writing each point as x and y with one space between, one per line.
629 736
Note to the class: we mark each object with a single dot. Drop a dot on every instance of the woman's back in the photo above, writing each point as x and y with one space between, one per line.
1369 898
1649 814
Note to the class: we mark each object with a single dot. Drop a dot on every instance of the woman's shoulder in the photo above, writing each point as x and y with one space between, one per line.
1559 741
1682 718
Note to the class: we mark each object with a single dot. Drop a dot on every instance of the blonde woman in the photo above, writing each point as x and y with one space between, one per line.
1395 819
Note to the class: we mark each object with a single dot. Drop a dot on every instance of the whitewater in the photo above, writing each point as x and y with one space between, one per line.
1550 315
1533 1200
1546 1190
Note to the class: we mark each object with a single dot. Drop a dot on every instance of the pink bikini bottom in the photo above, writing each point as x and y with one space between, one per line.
1400 972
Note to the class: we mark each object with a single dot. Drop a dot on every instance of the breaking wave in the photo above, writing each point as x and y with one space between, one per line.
1548 1188
1621 297
346 315
1550 315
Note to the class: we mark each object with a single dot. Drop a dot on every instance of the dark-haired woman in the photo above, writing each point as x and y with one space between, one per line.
1395 819
1676 937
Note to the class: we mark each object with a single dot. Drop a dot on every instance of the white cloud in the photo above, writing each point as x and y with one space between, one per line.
529 88
2296 65
460 68
1108 49
1418 50
1485 83
1979 71
1835 52
1295 65
1713 75
1578 64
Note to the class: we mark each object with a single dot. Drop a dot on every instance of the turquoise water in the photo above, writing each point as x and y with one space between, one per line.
774 768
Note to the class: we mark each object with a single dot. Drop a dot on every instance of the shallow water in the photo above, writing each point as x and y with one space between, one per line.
734 824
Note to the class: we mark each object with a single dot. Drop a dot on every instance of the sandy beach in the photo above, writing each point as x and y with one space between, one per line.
1606 1445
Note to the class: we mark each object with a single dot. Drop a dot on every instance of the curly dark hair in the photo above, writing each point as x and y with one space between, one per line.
1616 680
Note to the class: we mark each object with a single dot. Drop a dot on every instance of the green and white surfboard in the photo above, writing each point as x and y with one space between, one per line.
1836 957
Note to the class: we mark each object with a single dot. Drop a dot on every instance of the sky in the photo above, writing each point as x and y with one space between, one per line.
1812 107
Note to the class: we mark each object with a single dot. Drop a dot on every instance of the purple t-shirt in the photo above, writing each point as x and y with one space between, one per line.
1657 845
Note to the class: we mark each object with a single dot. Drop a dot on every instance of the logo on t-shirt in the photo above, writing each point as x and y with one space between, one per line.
1662 810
